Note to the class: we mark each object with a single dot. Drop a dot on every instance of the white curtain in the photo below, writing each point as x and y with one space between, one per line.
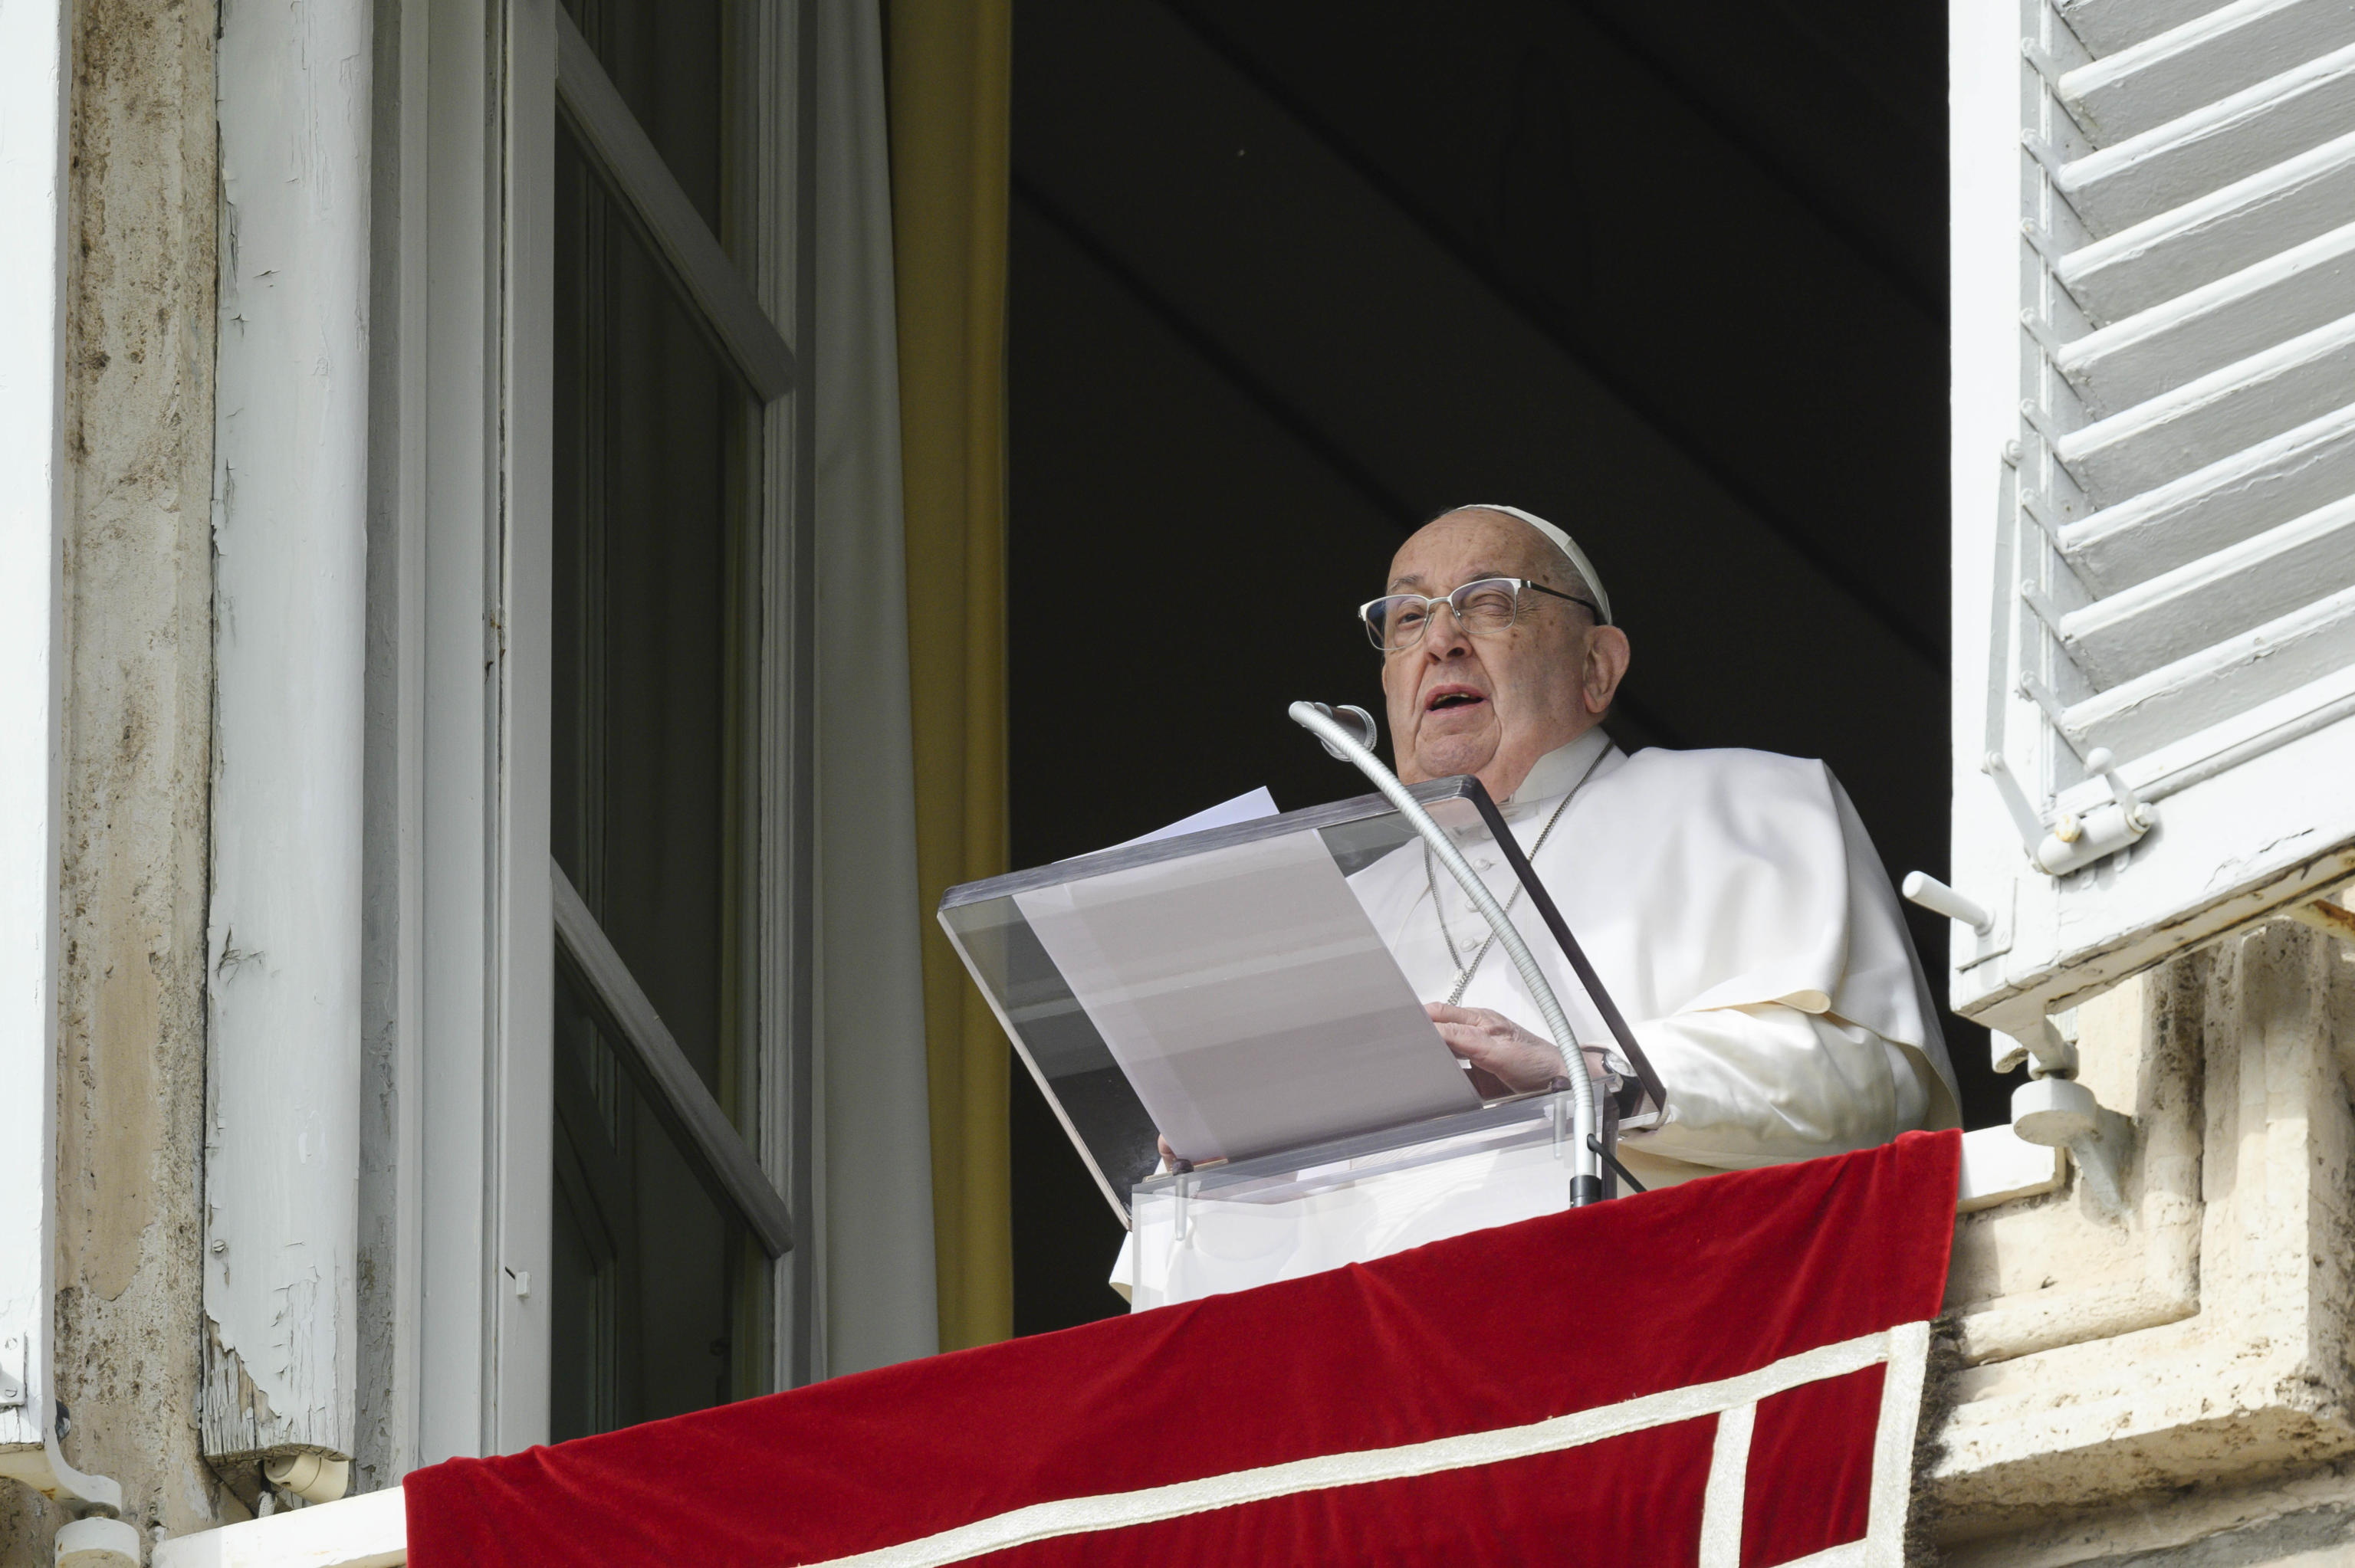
874 1241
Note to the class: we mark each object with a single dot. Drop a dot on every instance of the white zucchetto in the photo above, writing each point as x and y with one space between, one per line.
1560 540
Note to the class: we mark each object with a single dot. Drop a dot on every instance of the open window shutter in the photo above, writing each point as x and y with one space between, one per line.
2154 360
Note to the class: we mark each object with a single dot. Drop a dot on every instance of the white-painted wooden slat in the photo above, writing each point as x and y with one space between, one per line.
2213 416
2218 681
370 1530
456 250
2192 64
2219 594
2211 236
2178 340
2214 145
2105 27
707 1139
521 1199
725 304
279 1341
2217 507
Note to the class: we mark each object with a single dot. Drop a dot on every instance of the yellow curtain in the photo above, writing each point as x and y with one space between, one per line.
950 72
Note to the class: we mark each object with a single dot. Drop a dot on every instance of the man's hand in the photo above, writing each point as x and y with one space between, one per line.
1506 1058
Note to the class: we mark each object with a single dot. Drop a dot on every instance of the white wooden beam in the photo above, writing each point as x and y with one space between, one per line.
367 1531
671 1087
459 239
290 608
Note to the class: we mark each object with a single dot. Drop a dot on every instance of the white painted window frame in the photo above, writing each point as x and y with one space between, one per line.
471 679
289 527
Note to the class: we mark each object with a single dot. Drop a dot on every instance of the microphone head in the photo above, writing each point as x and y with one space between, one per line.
1355 720
1352 717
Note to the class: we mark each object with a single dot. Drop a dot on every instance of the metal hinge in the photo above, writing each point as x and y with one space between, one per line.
12 1372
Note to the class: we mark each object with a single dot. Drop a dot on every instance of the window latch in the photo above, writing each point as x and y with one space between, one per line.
2075 841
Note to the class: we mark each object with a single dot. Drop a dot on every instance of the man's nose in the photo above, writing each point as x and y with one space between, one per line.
1444 636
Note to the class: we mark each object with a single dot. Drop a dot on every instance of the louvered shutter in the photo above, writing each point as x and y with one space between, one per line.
2154 406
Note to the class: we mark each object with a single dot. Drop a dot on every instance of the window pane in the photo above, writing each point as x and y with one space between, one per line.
649 1267
652 433
654 1308
666 60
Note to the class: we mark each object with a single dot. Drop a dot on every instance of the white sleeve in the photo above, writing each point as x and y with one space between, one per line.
1123 1270
1760 1084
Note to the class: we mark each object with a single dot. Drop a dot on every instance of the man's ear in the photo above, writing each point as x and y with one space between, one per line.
1606 666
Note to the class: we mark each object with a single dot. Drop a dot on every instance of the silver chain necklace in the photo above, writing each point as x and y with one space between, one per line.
1465 972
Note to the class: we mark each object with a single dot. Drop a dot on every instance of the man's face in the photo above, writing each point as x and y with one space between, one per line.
1492 705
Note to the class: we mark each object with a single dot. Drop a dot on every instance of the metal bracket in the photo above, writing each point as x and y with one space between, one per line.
12 1372
2048 1052
2322 914
1990 929
2061 1113
2076 842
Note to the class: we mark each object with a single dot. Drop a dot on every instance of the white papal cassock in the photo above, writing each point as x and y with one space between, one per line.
1734 906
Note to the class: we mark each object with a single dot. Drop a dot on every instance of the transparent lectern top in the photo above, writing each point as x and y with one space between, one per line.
1238 980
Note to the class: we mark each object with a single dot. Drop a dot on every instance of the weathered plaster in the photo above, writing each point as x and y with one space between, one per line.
138 576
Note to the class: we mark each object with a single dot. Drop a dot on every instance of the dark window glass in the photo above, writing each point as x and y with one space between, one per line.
656 1301
667 61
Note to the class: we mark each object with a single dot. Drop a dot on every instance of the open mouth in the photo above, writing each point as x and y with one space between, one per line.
1444 698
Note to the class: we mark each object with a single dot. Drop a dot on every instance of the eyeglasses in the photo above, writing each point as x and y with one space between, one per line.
1483 608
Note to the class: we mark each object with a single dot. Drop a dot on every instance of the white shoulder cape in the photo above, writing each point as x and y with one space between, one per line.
1694 880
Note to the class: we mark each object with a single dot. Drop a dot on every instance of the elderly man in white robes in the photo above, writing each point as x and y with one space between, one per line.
1730 901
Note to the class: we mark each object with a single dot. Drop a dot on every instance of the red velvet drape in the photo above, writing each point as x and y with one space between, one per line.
1480 1333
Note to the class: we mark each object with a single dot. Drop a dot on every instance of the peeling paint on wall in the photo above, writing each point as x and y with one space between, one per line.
289 581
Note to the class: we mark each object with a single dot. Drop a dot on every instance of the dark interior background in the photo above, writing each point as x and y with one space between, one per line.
1287 279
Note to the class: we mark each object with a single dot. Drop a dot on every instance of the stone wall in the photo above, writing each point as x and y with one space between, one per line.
2171 1382
138 629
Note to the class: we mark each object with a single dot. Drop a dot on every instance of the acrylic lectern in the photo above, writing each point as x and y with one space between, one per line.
1232 991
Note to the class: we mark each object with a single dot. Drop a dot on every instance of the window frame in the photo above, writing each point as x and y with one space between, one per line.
462 849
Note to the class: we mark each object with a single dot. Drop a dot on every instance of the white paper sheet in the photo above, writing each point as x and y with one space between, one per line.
1248 998
1248 807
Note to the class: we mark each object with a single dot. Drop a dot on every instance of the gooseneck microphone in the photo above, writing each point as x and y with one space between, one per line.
1586 1184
